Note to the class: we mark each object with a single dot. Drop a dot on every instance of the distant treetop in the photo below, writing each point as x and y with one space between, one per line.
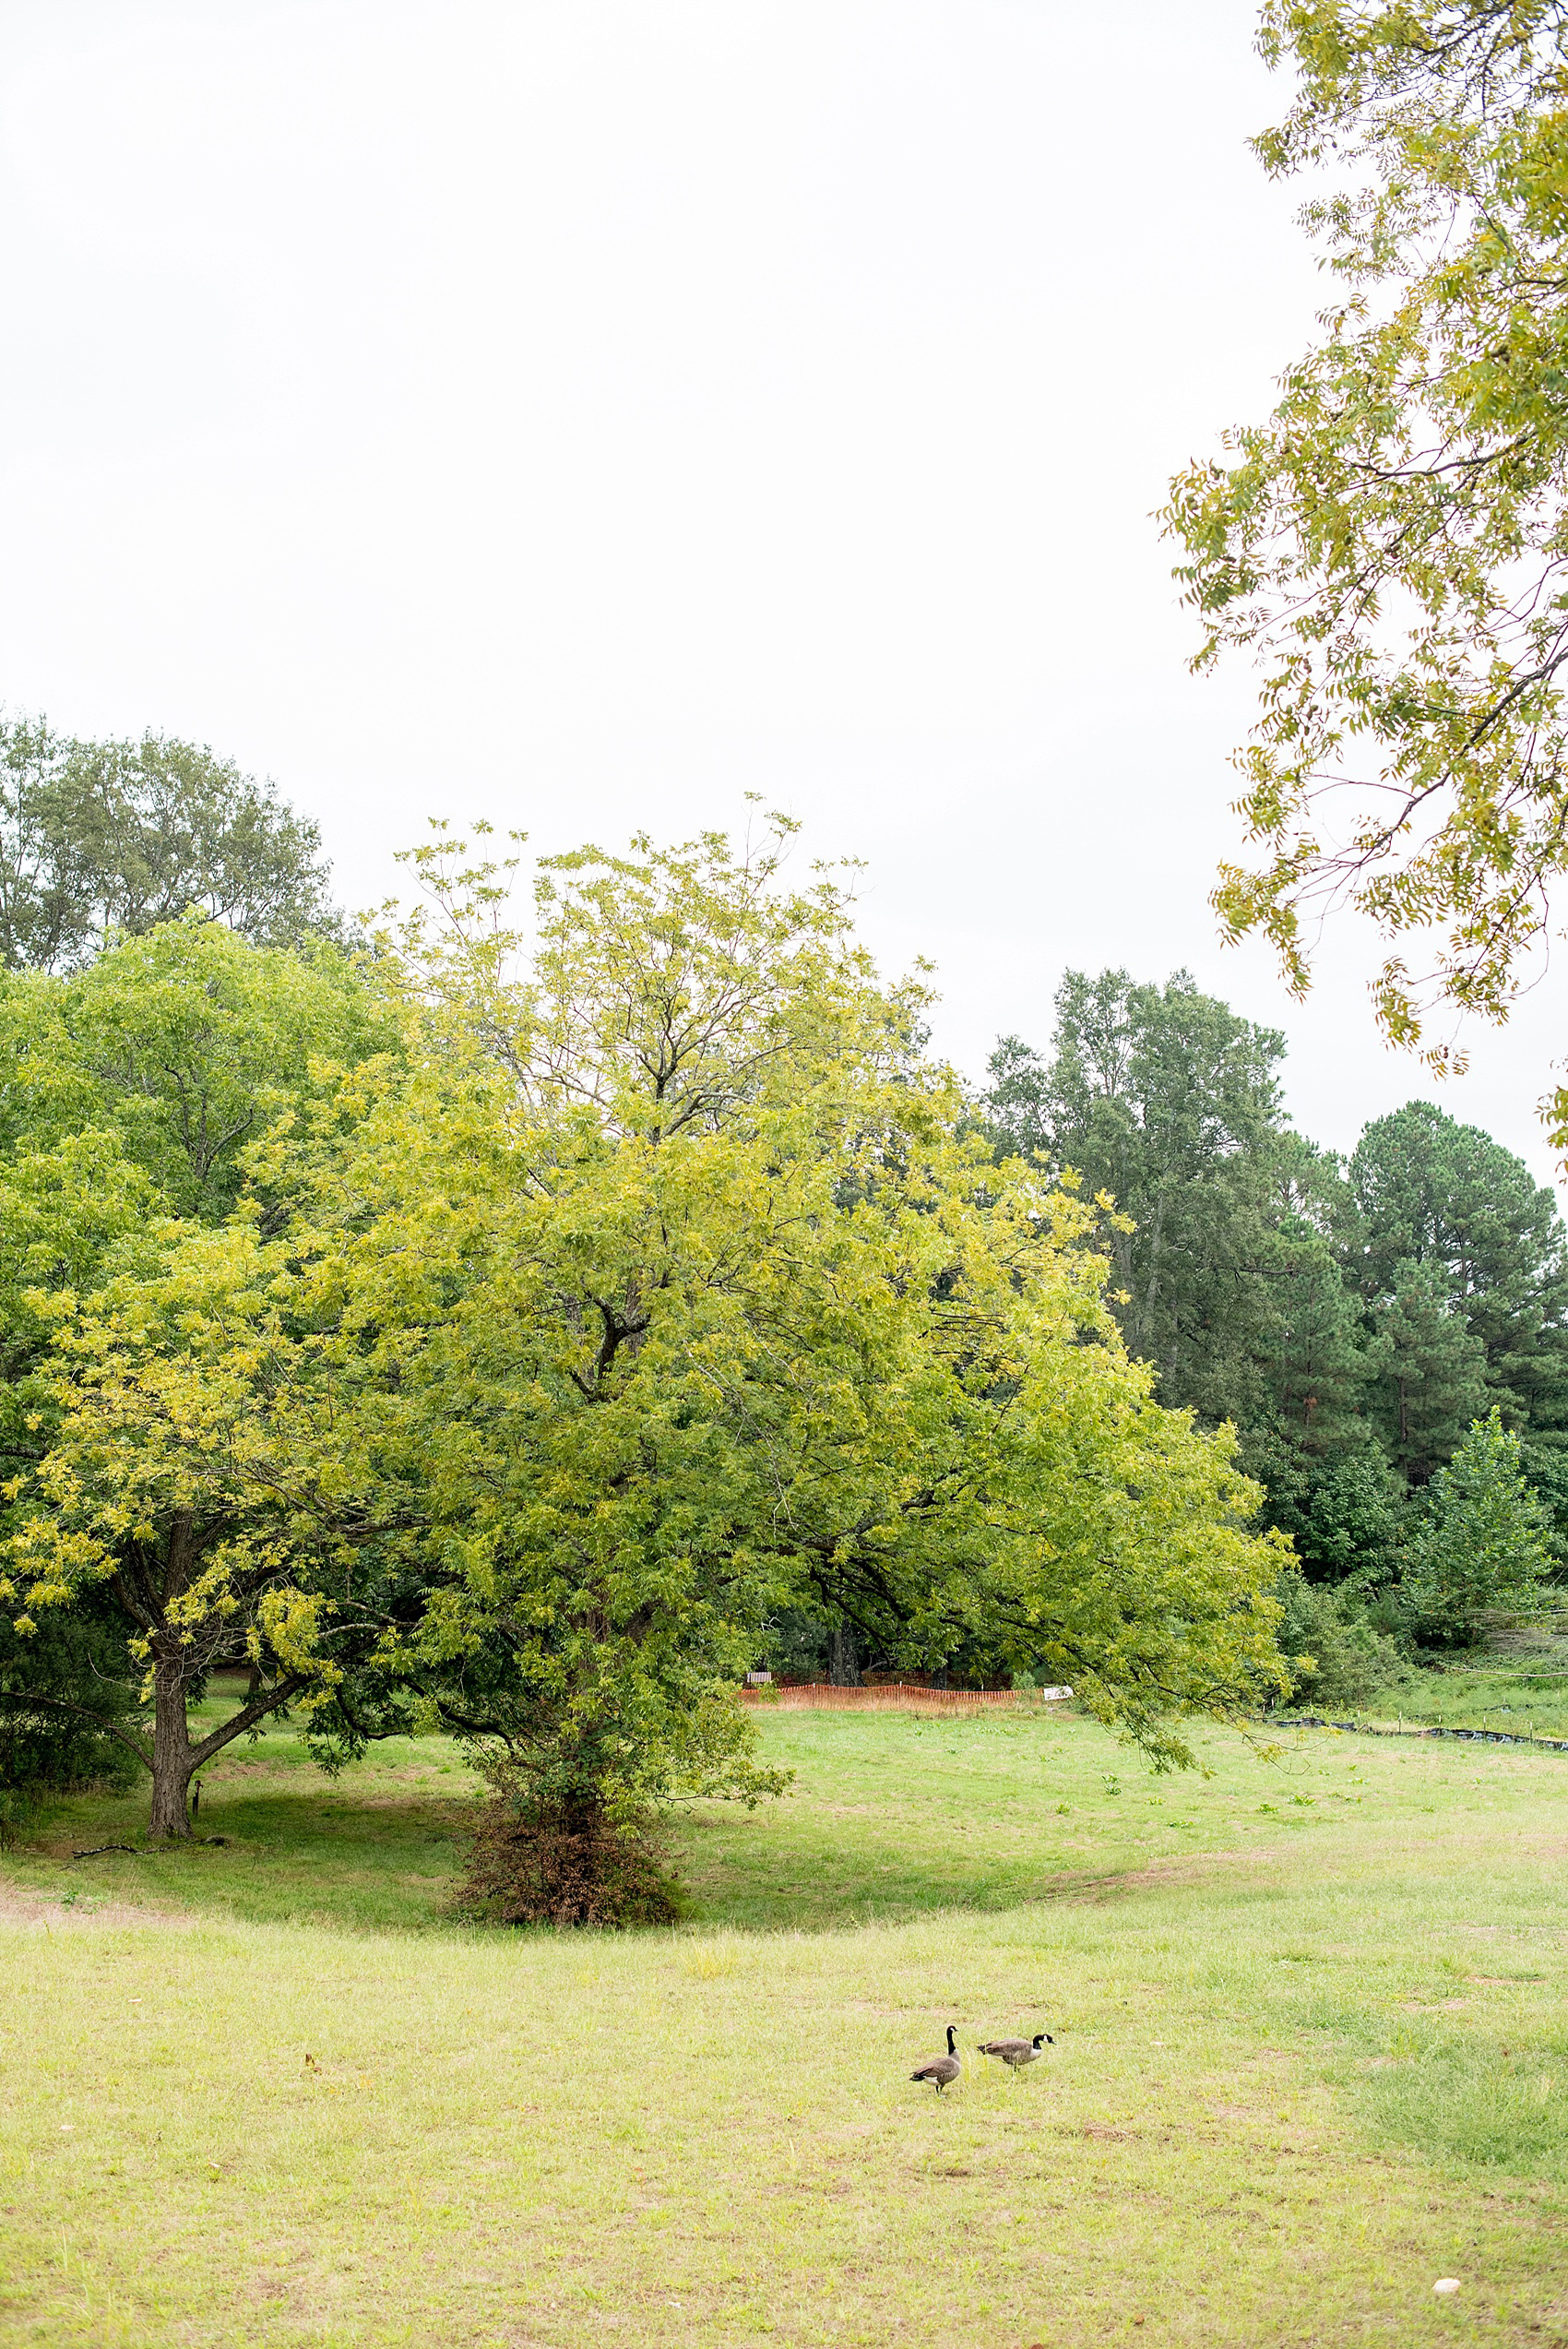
100 840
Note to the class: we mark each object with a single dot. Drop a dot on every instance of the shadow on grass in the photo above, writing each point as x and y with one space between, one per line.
889 1819
326 1856
291 1854
340 1856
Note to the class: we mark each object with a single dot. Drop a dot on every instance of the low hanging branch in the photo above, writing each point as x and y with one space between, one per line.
1390 546
95 1851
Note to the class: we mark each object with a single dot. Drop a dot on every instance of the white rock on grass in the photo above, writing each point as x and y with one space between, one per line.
1446 2284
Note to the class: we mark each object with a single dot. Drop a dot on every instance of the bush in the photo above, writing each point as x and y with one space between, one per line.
71 1661
1545 1465
546 1858
1342 1515
21 1809
1352 1662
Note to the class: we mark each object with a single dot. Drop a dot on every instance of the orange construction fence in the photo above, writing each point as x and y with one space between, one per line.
900 1695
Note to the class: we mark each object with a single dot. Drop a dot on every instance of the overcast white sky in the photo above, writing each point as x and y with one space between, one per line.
581 412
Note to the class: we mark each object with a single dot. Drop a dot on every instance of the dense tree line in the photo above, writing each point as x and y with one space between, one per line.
1353 1319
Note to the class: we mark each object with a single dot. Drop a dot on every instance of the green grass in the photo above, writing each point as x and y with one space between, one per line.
1484 1695
376 1848
893 1816
1311 2055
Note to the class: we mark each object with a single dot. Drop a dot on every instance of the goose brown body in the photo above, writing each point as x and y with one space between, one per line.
1015 2053
942 2068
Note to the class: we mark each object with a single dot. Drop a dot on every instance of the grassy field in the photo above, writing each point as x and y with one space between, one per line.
1528 1702
1312 2055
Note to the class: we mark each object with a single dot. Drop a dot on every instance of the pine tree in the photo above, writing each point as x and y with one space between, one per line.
1481 1549
1430 1191
1318 1362
1166 1101
1433 1373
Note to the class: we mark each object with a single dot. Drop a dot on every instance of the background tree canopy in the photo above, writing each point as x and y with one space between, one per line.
1162 1099
106 839
1352 1319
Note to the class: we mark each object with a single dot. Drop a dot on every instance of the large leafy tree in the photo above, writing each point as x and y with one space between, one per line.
790 1231
1391 546
658 1286
129 1090
100 840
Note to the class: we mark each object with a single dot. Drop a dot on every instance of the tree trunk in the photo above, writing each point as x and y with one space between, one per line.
172 1757
1145 1310
844 1670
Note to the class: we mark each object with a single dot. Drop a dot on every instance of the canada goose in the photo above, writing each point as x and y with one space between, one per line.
942 2068
1015 2052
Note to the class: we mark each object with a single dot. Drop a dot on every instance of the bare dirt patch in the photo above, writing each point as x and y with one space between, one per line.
45 1912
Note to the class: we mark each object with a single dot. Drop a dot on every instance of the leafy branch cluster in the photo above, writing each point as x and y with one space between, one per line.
1391 546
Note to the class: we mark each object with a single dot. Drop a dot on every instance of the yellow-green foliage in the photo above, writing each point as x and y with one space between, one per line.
1309 2059
657 1283
1390 545
184 1045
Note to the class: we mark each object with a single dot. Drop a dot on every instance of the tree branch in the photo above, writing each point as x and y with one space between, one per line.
257 1709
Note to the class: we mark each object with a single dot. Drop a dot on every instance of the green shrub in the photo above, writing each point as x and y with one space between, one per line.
544 1855
61 1688
1352 1662
1343 1516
